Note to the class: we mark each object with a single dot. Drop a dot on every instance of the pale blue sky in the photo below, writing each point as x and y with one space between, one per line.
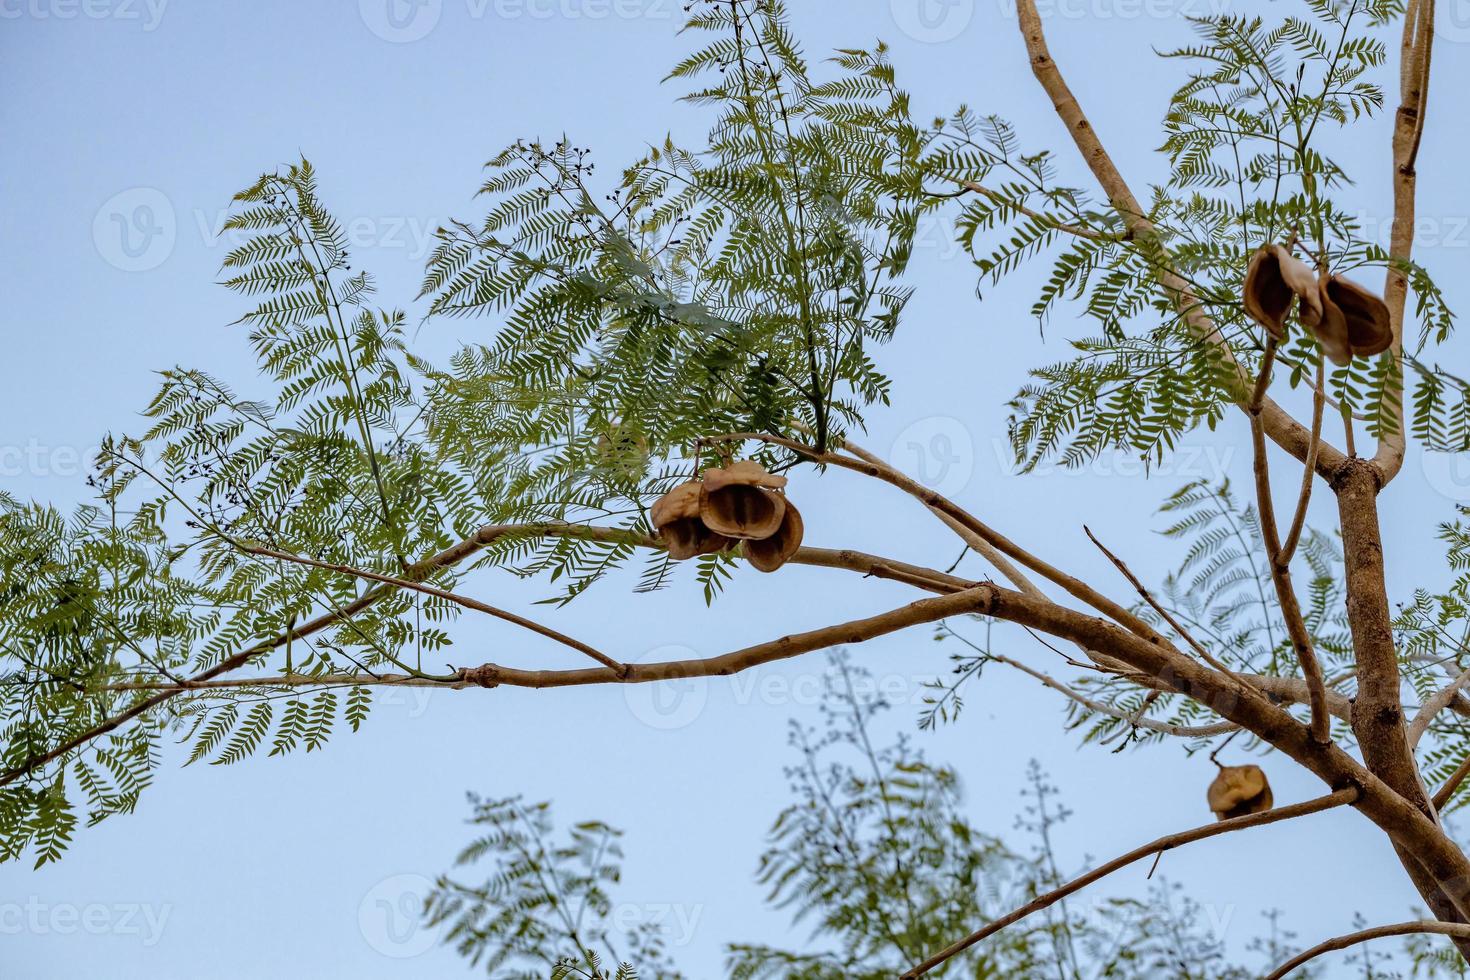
126 129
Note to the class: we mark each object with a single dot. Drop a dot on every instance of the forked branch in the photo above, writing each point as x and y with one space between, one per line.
1284 430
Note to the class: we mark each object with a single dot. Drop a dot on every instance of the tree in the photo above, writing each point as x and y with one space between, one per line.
252 568
874 854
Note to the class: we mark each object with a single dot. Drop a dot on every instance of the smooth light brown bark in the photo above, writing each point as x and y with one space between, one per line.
1283 429
1415 50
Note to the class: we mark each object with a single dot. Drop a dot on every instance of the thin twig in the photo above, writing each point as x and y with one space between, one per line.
1158 607
1168 842
1291 613
1457 930
1309 474
429 590
1446 791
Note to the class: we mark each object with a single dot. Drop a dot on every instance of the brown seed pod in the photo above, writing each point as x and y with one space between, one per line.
738 501
1272 280
1353 322
1368 329
769 554
675 518
1329 326
1239 790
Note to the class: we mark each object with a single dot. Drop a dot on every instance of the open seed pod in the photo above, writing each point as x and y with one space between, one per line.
1352 322
1329 326
1368 329
1272 280
738 502
769 554
1239 790
675 517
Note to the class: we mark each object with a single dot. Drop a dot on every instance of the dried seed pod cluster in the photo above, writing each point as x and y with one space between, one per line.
738 503
1347 320
1238 791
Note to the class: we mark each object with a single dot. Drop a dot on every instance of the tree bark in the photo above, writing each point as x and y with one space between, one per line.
1378 714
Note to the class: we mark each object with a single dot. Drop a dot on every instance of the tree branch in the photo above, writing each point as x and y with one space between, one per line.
1284 430
1076 230
1440 700
1454 929
1168 617
1415 51
1291 612
1165 843
465 601
928 579
1163 728
1452 783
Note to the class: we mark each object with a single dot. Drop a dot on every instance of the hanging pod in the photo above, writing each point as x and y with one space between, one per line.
1347 320
1368 329
769 554
1329 326
1353 321
1239 790
1272 280
738 501
676 520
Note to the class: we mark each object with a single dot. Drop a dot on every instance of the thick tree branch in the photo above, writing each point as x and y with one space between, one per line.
1438 866
1378 716
928 579
1415 51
